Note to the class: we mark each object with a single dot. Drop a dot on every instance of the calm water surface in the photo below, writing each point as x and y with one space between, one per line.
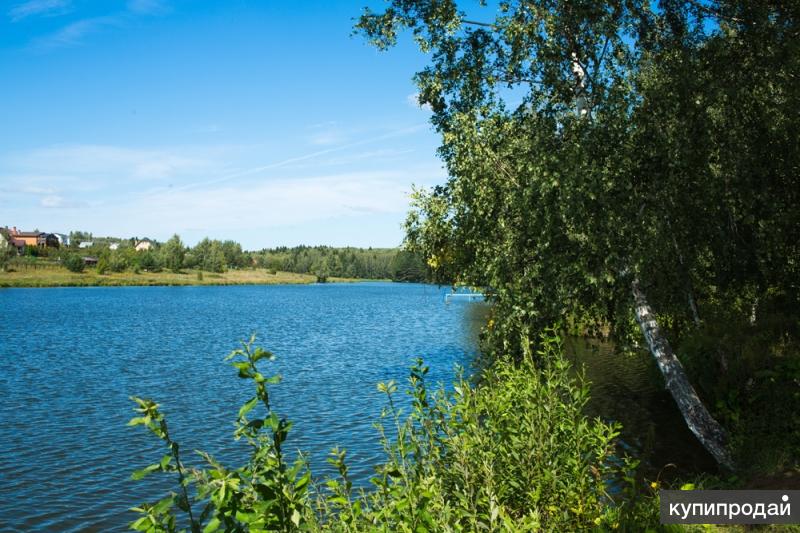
627 387
70 358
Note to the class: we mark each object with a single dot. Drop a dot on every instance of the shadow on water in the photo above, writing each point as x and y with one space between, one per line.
628 388
625 387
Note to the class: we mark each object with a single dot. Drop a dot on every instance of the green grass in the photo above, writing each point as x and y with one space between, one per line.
54 276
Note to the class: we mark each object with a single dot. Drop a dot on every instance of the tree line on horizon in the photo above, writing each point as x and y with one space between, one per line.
213 255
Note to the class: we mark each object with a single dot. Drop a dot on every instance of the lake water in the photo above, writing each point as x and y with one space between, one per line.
627 387
71 357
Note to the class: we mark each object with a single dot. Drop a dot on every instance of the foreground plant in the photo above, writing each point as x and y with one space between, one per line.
266 493
515 453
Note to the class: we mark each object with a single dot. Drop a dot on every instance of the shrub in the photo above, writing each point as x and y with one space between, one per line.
514 453
149 261
74 263
102 265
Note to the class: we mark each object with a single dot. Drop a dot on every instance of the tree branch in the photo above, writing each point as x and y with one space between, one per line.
713 12
482 24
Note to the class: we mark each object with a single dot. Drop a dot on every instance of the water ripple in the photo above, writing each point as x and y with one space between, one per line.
70 358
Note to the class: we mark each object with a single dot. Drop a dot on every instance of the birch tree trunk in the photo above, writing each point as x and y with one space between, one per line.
710 433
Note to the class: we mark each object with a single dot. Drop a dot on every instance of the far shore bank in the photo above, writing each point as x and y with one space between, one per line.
48 277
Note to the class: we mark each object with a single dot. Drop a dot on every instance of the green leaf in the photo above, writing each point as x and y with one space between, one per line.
164 505
247 407
139 474
242 366
212 525
142 524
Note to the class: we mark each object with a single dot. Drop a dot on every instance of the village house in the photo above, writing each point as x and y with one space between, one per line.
38 239
143 245
63 239
7 240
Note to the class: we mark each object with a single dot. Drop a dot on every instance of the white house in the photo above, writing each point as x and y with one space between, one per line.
63 240
143 245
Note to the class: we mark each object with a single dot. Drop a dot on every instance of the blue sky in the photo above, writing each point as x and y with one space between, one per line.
259 121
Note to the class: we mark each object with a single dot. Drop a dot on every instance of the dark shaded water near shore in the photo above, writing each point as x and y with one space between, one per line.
70 358
628 388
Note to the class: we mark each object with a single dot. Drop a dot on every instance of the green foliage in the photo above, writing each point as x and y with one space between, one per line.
591 143
77 237
268 493
121 259
7 250
372 263
172 253
217 256
74 263
749 371
557 211
515 453
103 263
408 266
148 260
208 255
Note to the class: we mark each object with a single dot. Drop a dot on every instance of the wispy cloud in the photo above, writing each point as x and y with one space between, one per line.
147 7
413 101
113 162
328 133
55 201
74 33
193 190
273 203
305 157
38 8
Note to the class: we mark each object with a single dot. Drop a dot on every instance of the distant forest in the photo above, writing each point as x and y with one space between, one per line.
118 255
372 263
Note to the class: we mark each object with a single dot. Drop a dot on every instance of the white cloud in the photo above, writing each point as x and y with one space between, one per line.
218 190
272 203
413 101
38 7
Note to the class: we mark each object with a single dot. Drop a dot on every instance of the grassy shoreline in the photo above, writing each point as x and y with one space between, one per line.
50 277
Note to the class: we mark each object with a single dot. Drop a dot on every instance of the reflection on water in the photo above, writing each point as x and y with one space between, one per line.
628 388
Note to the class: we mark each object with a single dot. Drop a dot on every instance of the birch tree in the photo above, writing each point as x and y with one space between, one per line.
599 152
